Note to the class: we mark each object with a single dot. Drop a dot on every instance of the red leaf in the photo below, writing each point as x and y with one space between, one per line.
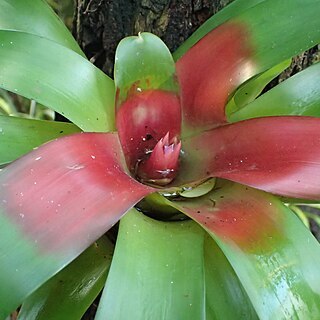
210 71
276 154
237 214
144 119
67 193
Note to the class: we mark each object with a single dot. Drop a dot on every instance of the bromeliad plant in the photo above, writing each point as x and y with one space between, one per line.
181 122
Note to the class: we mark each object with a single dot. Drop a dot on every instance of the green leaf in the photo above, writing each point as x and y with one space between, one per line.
292 26
198 191
299 95
225 296
209 73
253 87
58 78
274 255
69 294
136 70
186 277
156 273
19 136
301 215
36 17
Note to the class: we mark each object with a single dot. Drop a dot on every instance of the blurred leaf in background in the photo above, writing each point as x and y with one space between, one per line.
65 10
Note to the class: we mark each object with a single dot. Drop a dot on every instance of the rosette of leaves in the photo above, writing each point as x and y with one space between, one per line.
212 238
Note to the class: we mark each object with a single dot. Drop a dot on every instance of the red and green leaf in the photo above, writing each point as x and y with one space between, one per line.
276 154
274 255
147 101
54 203
210 71
216 61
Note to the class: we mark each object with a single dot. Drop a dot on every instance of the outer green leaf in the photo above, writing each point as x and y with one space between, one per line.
291 27
19 136
36 17
58 78
299 95
168 283
274 255
253 87
233 9
225 296
156 272
67 295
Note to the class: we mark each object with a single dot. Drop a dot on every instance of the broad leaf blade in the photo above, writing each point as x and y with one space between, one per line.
54 203
156 272
257 45
147 99
274 255
58 78
19 136
299 95
36 17
210 71
225 296
184 278
69 294
276 154
298 19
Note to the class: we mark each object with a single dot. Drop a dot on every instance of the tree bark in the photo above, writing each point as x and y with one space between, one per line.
101 24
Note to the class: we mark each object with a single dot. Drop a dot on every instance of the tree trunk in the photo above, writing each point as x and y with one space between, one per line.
101 24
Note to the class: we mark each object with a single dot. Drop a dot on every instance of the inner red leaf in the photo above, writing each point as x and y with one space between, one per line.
276 154
67 193
144 119
210 71
245 217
